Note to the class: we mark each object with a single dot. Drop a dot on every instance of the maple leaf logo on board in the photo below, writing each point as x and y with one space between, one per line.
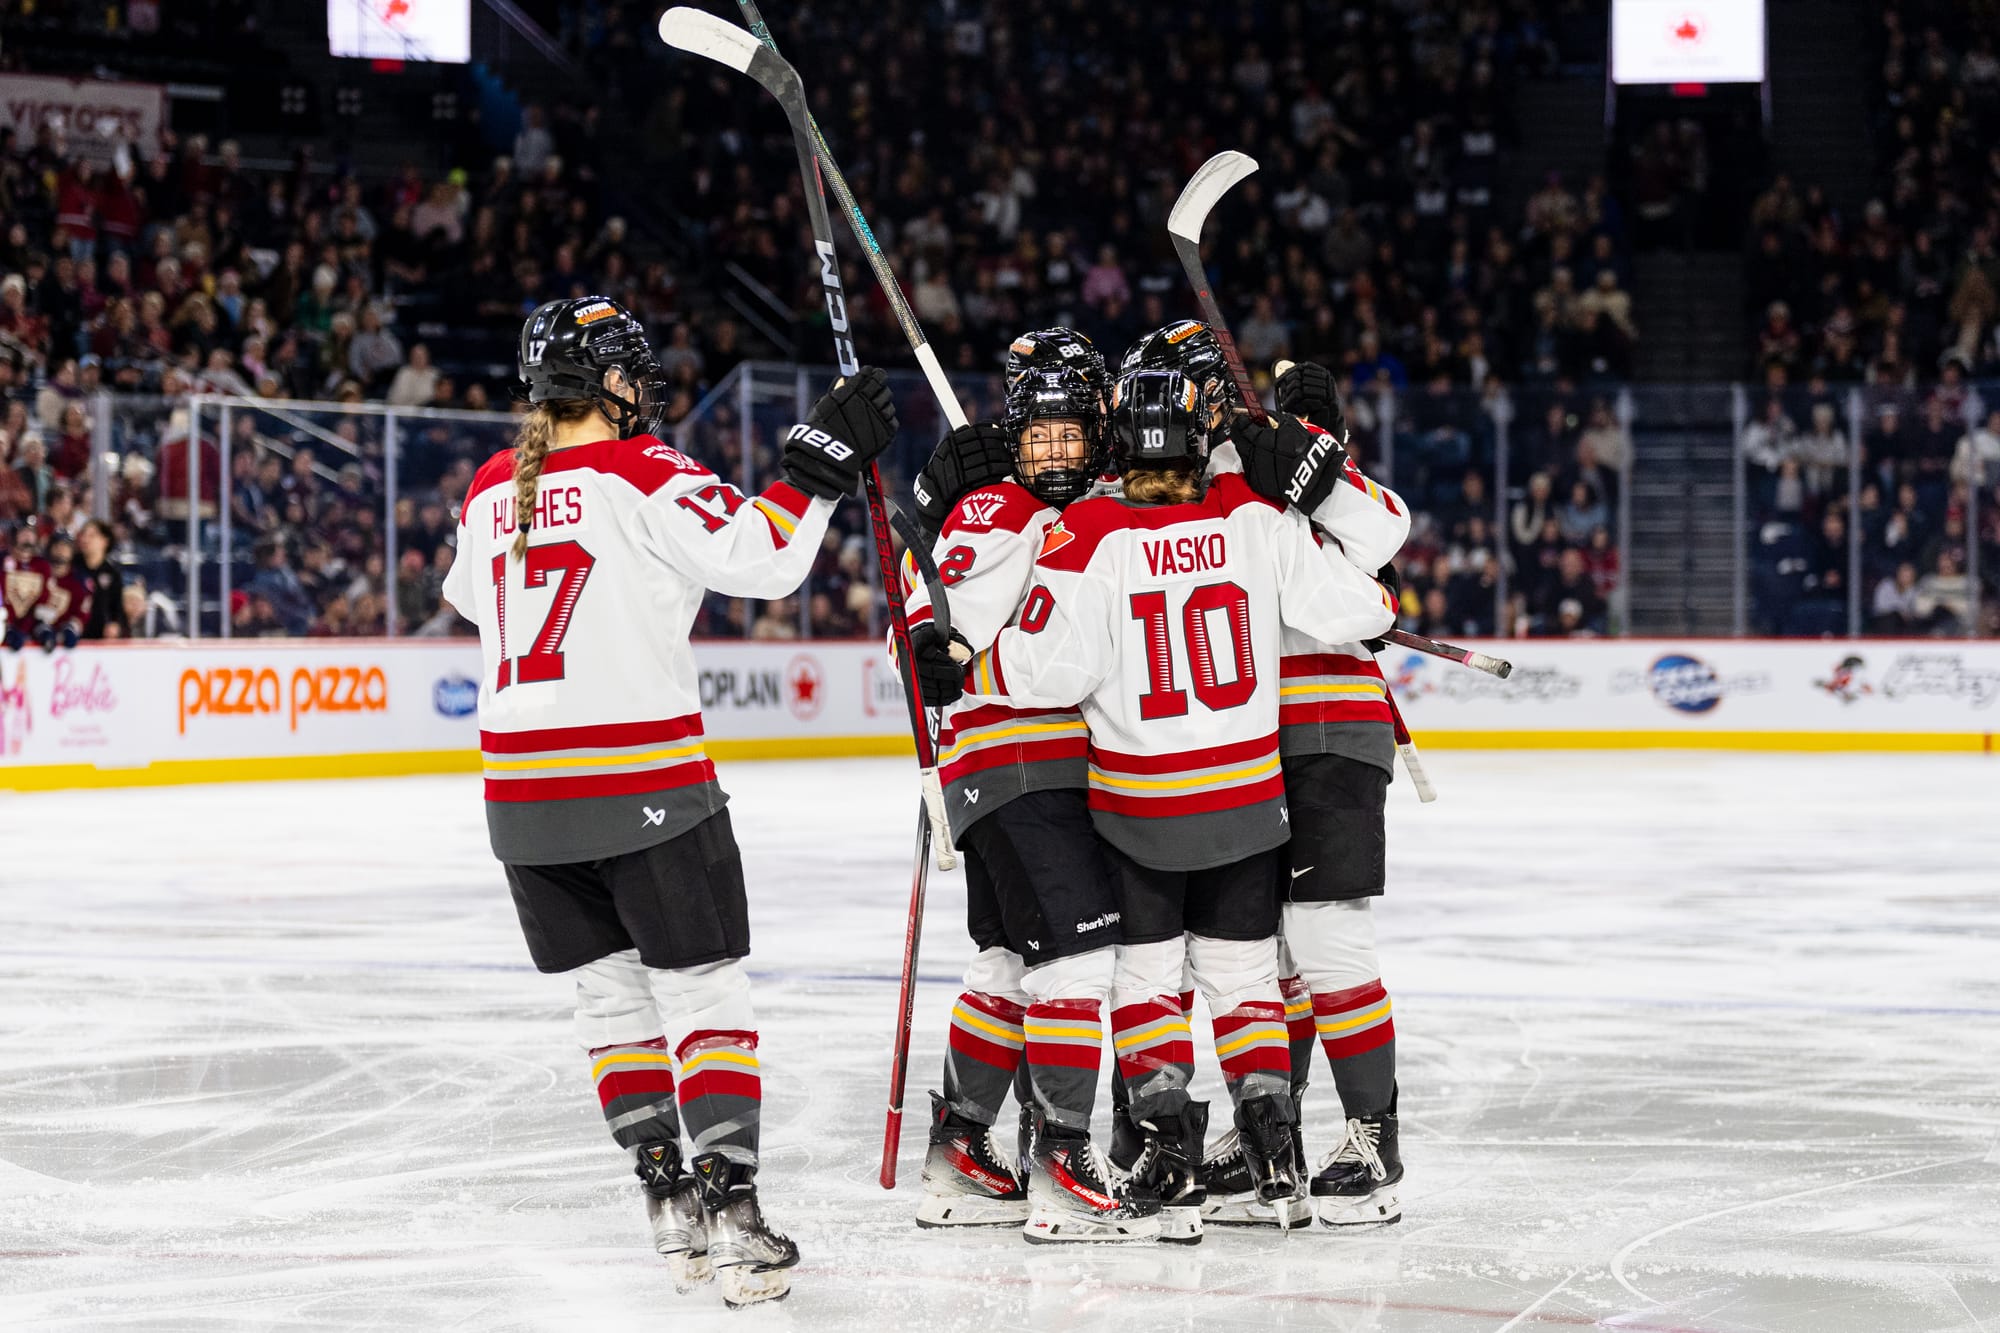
394 10
1690 30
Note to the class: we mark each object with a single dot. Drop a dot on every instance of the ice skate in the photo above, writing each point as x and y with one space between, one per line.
1267 1150
673 1208
967 1180
1359 1183
1071 1196
750 1259
1168 1166
1230 1194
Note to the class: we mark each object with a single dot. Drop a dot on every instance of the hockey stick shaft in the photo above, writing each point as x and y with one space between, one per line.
1492 666
702 33
885 276
1413 763
1184 225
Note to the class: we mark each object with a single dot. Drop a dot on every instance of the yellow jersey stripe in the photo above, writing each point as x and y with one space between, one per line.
1079 727
594 760
1097 775
1331 689
780 520
1038 1030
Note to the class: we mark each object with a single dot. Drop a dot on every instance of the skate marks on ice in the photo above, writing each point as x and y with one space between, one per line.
1700 1043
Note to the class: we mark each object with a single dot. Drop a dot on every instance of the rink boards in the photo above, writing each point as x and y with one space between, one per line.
145 714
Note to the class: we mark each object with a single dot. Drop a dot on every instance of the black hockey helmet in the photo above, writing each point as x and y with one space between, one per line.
567 346
1156 421
1190 347
1058 349
1063 392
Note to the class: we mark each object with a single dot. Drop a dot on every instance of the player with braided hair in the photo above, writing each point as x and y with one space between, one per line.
583 554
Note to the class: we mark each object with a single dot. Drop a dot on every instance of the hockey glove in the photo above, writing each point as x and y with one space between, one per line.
1309 390
940 674
968 458
1391 578
826 453
1289 463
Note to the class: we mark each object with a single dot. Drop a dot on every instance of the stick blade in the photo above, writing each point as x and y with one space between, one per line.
1215 178
700 33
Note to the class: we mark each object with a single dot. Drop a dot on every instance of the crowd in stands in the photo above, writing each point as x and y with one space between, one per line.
1017 165
1896 309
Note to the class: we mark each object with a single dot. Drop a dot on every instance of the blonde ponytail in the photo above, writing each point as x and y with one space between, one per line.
531 450
1168 486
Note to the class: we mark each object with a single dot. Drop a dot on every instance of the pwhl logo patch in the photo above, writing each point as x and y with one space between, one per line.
1687 684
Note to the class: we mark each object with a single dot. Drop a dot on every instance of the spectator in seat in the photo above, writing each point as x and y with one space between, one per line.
1583 513
278 587
107 585
1944 596
777 620
1894 608
1976 461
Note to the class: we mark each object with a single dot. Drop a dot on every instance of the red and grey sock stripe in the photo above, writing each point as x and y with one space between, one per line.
1065 1048
635 1086
721 1090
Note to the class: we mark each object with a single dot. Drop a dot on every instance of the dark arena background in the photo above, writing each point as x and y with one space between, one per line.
1674 326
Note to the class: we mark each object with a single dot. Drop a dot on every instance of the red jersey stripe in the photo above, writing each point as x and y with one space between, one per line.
609 736
607 784
1194 803
1215 757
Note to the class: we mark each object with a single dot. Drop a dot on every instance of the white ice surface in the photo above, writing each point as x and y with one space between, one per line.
1687 1043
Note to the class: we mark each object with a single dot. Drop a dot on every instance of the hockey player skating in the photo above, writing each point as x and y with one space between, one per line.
1040 903
583 554
1159 610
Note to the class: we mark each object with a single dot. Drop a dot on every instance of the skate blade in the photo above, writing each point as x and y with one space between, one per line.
1382 1208
1041 1229
1243 1210
689 1270
744 1284
1181 1225
970 1210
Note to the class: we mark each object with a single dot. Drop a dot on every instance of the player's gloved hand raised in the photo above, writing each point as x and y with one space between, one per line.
826 453
970 457
1307 389
940 672
1391 578
1287 461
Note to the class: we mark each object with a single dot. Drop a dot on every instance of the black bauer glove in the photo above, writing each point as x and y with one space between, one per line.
1287 462
966 459
826 453
940 675
1307 389
1391 578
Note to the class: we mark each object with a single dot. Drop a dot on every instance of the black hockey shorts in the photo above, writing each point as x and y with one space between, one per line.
680 903
1339 847
1238 901
1037 880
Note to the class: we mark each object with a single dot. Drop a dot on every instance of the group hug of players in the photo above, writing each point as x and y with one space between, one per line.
1165 740
1165 747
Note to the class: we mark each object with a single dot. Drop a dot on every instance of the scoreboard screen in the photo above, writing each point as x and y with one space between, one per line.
439 30
1687 41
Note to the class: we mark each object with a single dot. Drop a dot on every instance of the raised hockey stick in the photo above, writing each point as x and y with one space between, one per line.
1213 179
703 34
885 277
1204 190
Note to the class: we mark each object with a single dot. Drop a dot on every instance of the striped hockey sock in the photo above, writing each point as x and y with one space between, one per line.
635 1086
1359 1032
982 1054
1255 1055
1065 1044
1300 1029
721 1093
1155 1053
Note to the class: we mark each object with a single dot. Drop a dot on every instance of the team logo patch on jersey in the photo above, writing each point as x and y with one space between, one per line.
979 511
1057 538
666 453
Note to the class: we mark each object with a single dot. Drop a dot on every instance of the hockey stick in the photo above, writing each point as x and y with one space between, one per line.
703 34
885 277
1203 191
1492 666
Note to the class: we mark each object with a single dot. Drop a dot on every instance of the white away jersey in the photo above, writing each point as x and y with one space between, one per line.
992 750
1163 621
589 705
